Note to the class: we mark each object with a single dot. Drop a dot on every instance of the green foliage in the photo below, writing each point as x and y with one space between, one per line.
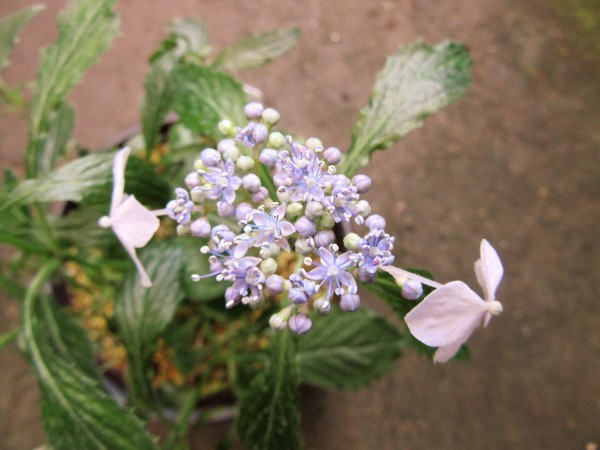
10 26
76 411
86 28
142 314
269 417
89 180
205 96
346 350
257 49
196 263
415 82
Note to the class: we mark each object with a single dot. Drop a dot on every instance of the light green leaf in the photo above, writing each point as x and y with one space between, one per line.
7 338
86 28
269 417
257 49
415 82
188 39
89 179
142 314
204 97
348 350
76 411
10 26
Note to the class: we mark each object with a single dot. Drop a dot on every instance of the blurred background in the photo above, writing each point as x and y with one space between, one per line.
517 162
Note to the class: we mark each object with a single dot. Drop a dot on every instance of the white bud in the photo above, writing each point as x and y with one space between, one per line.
253 110
268 266
364 209
250 182
294 209
245 163
270 116
313 143
227 128
314 209
322 306
351 241
276 140
284 195
327 221
495 307
183 230
192 180
302 246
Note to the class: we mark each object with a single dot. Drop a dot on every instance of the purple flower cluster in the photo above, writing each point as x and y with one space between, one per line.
249 226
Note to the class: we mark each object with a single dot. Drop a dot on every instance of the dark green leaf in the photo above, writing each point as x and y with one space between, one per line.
205 97
257 49
86 28
416 81
348 350
10 26
76 411
269 417
142 314
89 179
159 97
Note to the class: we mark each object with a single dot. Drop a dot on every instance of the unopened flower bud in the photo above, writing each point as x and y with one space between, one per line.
412 290
299 324
326 221
332 155
362 183
227 128
322 306
270 116
197 194
268 157
314 209
271 252
351 241
278 321
225 209
242 210
375 222
210 157
350 302
284 195
313 143
200 228
245 163
192 180
250 182
198 165
274 284
364 209
324 238
231 152
495 307
260 195
276 140
294 209
183 230
268 266
366 276
305 227
302 246
253 110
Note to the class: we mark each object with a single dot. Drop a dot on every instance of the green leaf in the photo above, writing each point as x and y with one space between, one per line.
269 416
76 411
89 179
346 350
188 38
204 97
256 50
10 26
142 314
86 28
7 338
415 82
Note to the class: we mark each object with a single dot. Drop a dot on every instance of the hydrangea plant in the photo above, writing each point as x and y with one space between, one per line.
255 245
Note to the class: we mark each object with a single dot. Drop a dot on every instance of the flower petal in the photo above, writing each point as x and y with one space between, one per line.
489 270
286 228
447 315
145 279
119 163
318 273
443 354
133 223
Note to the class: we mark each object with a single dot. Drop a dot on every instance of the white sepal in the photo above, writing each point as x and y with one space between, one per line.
489 270
133 224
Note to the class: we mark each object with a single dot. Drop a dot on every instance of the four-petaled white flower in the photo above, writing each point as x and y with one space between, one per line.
447 317
132 222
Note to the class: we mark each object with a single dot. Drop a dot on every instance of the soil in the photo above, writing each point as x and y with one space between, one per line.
516 162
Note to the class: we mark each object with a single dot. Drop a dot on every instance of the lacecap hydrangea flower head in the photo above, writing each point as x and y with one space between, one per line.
260 194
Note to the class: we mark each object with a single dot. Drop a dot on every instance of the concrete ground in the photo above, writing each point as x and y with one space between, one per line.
517 162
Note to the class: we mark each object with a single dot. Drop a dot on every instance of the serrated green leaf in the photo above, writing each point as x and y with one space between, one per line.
142 314
10 26
269 417
415 82
256 50
204 97
60 128
188 38
346 350
86 28
89 179
76 411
